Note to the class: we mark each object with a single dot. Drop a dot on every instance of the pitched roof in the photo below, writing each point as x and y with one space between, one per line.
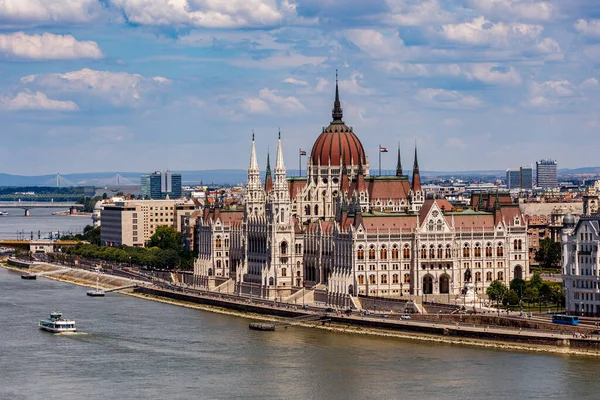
395 223
392 188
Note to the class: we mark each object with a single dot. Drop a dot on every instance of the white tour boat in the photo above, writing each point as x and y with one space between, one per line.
57 324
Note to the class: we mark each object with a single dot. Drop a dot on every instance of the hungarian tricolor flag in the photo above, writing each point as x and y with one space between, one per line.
302 152
383 149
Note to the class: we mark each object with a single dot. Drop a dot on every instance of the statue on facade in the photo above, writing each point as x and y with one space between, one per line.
468 275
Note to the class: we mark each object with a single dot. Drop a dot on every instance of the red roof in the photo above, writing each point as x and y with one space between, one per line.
337 140
388 189
392 223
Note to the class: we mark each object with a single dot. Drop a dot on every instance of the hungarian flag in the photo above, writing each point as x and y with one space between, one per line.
383 149
302 152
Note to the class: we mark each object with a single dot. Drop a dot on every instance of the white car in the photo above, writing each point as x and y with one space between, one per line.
405 316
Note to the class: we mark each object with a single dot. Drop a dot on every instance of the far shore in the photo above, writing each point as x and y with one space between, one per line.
88 278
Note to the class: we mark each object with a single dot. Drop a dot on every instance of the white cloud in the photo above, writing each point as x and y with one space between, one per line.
452 122
36 101
413 13
588 28
118 88
480 31
204 13
550 47
352 85
40 11
278 61
456 142
551 94
322 84
447 99
520 9
489 73
295 81
590 83
375 43
47 46
268 99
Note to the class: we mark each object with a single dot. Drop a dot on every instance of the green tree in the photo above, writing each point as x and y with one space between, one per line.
536 281
496 291
519 286
166 238
531 294
511 298
548 255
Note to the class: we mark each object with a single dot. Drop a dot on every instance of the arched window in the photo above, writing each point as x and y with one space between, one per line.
383 278
360 253
361 280
283 271
371 253
218 242
499 250
431 252
477 276
515 245
500 276
406 278
372 280
395 252
383 253
423 252
439 251
284 247
488 276
316 209
520 244
488 250
477 250
218 264
395 278
307 210
430 226
406 252
448 251
466 250
439 226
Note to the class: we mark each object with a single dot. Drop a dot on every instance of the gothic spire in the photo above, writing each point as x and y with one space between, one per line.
399 165
279 161
253 163
416 181
268 177
337 113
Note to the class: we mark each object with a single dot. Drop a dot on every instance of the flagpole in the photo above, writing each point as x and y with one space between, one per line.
379 160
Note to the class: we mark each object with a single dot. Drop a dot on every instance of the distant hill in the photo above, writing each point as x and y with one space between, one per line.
223 176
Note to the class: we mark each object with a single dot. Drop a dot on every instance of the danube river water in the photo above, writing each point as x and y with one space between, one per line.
130 348
17 225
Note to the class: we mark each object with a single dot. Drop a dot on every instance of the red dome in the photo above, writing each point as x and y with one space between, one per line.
337 140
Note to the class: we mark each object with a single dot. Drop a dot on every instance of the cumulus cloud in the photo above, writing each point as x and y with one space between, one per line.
43 11
35 101
205 13
279 60
489 73
551 94
354 86
416 13
267 99
295 81
118 88
447 99
521 9
47 46
588 28
480 31
375 43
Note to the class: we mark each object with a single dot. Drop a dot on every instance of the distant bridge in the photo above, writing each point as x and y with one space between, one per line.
27 205
29 243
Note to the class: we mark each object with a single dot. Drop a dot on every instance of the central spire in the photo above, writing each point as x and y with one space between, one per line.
337 107
399 164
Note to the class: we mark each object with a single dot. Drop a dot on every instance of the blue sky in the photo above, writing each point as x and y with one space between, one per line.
139 85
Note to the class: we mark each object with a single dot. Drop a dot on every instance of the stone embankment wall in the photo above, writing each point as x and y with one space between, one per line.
19 263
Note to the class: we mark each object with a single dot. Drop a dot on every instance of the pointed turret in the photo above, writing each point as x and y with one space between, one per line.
337 113
253 163
345 188
279 165
416 181
399 164
268 177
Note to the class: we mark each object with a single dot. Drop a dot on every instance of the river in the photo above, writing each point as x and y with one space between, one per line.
17 225
130 348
